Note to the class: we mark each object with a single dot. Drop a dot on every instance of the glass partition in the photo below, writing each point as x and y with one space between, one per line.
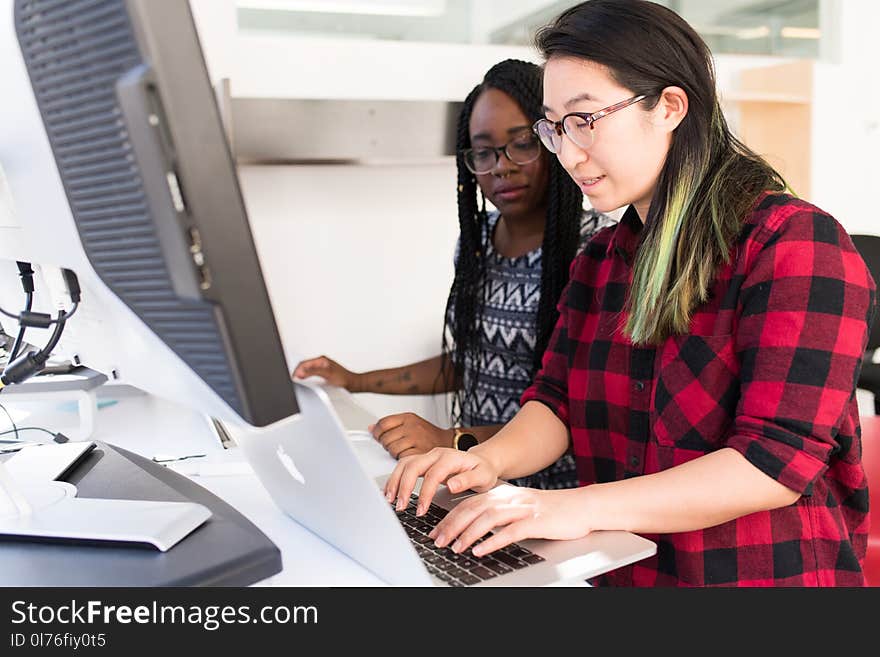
788 28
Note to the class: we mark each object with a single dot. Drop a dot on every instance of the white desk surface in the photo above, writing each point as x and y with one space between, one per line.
150 426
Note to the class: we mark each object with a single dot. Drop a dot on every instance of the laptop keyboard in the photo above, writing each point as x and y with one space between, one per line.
459 569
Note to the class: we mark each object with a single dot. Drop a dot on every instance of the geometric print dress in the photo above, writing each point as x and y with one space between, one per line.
511 293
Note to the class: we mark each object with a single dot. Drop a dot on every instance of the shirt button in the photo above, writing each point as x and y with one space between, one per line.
639 386
634 461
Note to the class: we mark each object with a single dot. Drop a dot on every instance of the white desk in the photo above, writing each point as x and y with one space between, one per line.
149 426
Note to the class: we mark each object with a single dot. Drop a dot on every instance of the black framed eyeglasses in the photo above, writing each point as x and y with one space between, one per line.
578 126
522 149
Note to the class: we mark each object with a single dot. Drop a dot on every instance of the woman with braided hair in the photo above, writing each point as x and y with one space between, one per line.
511 265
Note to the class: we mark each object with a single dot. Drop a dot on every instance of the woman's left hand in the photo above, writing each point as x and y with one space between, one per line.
517 513
406 434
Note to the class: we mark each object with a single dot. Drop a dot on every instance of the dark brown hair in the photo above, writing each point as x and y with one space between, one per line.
710 179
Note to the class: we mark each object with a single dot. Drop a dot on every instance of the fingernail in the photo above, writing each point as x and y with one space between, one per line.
432 533
456 547
440 541
389 497
476 551
401 505
420 510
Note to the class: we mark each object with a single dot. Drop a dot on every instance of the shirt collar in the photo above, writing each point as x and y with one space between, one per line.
625 239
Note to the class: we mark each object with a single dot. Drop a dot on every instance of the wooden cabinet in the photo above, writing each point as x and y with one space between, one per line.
772 113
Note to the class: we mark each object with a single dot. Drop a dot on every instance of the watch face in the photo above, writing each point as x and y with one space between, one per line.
466 441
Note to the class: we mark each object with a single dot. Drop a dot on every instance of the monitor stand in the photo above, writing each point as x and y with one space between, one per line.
75 382
227 550
44 509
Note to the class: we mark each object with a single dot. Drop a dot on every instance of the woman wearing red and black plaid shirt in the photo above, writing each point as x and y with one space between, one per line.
704 363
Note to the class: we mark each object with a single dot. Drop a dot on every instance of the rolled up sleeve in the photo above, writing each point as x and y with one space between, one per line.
805 307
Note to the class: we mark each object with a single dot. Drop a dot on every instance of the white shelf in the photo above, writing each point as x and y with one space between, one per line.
765 98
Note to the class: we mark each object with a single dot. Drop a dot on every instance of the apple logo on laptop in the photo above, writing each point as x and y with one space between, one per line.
289 465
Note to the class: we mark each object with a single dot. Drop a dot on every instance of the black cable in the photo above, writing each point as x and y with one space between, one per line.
19 339
26 274
29 364
3 433
67 315
20 368
40 320
14 427
45 352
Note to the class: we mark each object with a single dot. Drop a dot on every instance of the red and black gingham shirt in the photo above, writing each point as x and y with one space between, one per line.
768 368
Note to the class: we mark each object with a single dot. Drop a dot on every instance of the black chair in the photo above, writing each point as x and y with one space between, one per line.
869 379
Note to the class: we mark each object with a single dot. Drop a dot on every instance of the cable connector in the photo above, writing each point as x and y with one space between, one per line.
26 273
22 368
34 319
72 283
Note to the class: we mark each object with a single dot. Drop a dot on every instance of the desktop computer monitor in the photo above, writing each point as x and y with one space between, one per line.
114 164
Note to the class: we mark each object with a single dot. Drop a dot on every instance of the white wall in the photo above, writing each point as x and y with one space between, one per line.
358 261
282 67
846 126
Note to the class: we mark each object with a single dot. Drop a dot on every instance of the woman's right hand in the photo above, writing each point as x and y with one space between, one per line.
331 371
459 470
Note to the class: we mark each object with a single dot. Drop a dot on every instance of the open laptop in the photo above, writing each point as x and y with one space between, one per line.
310 469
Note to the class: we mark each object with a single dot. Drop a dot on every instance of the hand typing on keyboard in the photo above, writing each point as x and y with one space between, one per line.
459 470
513 513
451 567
